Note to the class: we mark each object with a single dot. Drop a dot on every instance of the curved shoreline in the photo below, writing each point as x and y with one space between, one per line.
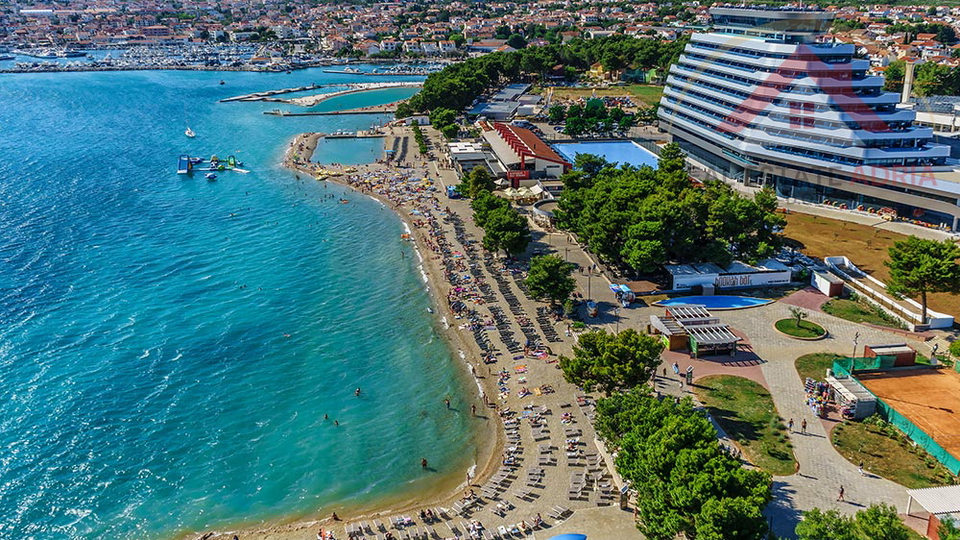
490 439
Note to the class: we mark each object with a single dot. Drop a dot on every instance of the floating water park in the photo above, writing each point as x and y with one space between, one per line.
189 165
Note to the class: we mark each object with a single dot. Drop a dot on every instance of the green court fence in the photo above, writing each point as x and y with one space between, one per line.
918 436
847 366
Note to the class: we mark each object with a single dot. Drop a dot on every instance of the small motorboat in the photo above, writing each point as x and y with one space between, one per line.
189 133
222 82
211 176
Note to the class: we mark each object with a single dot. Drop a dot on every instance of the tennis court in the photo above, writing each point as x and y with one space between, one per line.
930 398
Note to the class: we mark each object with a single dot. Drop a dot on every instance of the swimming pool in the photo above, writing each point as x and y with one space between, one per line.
612 151
719 302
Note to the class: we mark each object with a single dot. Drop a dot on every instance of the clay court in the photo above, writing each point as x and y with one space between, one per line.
930 398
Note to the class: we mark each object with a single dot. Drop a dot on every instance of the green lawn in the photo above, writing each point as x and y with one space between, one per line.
815 365
745 410
888 453
805 329
646 93
859 312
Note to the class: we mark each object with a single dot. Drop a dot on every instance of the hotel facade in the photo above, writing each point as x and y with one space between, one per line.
760 101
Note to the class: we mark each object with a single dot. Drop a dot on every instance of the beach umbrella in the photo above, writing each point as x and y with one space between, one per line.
569 536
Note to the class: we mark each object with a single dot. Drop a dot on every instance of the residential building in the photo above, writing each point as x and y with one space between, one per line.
759 101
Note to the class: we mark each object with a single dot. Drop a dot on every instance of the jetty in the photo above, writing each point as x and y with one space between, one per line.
377 109
360 134
310 101
263 96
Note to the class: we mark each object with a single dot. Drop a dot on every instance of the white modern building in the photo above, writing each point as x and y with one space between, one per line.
760 101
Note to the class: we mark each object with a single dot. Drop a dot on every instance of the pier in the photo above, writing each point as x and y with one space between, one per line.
310 101
263 96
377 109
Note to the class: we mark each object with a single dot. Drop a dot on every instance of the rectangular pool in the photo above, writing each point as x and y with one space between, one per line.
612 151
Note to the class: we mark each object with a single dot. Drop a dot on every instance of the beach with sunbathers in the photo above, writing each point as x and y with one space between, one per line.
539 467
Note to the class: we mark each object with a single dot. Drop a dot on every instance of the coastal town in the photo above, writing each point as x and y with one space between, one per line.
280 35
700 264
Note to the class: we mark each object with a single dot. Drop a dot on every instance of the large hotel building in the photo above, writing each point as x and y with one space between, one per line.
759 100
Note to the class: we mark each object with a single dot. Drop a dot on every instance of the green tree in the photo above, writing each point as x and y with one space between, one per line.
590 164
798 314
483 204
829 525
935 80
556 113
893 76
505 229
955 349
450 131
881 522
948 530
516 41
458 39
608 361
733 518
442 116
678 469
550 277
920 266
477 181
404 109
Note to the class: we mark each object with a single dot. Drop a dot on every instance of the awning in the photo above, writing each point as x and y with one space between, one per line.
937 500
712 334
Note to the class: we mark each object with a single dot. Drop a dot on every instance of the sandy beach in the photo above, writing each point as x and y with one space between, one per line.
550 471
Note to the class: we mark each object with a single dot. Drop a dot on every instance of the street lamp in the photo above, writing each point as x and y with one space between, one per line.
856 339
616 313
565 251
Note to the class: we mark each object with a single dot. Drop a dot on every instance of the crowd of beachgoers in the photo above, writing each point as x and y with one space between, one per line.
544 464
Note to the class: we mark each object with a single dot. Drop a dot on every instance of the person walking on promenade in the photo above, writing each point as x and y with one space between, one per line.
796 467
803 426
860 468
676 368
790 425
840 496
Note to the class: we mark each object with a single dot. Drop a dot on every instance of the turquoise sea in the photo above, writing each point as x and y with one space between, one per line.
169 346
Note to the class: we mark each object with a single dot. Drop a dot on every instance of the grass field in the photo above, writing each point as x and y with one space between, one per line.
859 312
645 93
745 410
865 246
887 452
815 365
805 329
